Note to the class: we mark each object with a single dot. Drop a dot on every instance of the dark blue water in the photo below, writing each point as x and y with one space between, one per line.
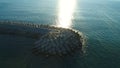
99 20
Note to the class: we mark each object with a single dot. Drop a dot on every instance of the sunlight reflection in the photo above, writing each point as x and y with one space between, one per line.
65 13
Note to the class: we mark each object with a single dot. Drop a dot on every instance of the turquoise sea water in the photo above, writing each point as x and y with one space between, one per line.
99 20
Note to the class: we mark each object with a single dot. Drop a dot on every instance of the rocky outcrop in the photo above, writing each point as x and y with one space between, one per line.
50 40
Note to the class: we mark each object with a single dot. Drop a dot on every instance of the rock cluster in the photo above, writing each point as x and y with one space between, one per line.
50 40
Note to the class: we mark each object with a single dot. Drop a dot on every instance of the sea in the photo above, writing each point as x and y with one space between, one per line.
98 20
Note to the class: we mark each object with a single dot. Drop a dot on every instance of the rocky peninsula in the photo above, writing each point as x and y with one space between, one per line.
50 40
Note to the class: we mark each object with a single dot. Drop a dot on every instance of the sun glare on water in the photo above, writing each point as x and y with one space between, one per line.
65 13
